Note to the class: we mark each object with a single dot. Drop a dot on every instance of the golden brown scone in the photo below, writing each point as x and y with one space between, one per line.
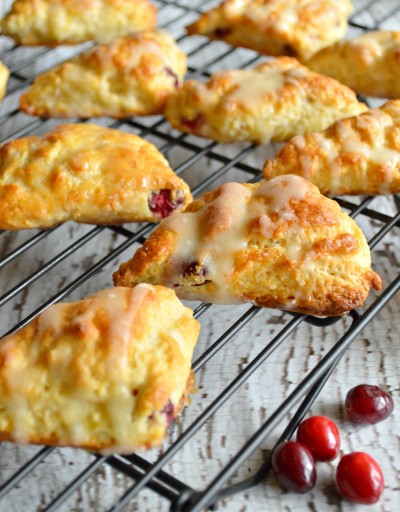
358 155
134 75
55 22
276 27
4 75
278 244
86 173
369 64
273 101
107 373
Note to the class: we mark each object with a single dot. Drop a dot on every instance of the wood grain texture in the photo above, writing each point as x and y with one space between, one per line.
372 358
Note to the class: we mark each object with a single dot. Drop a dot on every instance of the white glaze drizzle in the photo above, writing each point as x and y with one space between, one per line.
74 422
284 15
251 87
370 42
351 143
142 48
350 140
214 235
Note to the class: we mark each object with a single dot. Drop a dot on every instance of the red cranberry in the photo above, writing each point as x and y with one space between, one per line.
359 478
193 125
194 268
321 436
162 204
222 32
294 467
169 411
174 76
368 404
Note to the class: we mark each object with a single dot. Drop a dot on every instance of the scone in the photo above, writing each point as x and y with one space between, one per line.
277 27
369 64
4 75
108 373
85 173
134 75
277 244
358 155
55 22
273 101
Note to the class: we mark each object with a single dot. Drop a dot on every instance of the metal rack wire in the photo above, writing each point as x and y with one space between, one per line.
181 496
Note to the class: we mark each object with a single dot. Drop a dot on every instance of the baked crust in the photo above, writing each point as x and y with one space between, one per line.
107 373
273 101
296 28
134 75
4 75
358 155
86 173
55 22
278 244
369 64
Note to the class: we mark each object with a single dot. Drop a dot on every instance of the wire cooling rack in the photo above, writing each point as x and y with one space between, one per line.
85 256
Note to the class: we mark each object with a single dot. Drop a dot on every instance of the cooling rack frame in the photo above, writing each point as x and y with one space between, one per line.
181 496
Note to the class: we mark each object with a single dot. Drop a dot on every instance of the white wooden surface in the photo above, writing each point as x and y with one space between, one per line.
372 358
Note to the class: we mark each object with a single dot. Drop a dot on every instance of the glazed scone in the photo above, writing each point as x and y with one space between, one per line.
358 155
369 64
55 22
277 244
86 173
4 75
107 373
297 28
134 75
273 101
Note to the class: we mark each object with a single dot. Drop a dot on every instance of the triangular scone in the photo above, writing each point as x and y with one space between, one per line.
369 64
108 373
55 22
86 173
134 75
278 244
276 27
274 101
358 155
4 75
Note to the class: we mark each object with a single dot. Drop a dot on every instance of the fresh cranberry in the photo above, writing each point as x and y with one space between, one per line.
368 404
294 467
162 204
321 436
359 478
